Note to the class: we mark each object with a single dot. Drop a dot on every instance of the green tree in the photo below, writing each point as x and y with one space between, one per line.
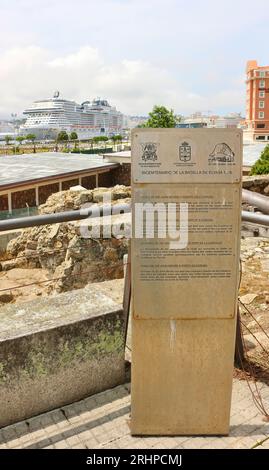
8 139
31 137
261 166
20 139
62 136
73 136
160 116
97 139
103 138
116 138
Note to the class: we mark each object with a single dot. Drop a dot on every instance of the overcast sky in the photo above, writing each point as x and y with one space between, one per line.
189 55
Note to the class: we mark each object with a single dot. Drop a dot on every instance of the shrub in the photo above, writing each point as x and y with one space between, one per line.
261 166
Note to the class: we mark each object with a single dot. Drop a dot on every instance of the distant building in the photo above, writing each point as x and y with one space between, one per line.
257 106
230 121
135 121
196 120
7 128
199 120
191 125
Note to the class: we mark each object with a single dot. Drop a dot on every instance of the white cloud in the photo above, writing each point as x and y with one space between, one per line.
134 86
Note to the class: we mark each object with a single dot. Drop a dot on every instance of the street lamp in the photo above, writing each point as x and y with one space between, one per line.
14 117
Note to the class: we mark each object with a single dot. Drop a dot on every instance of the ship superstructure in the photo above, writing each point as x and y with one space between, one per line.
91 118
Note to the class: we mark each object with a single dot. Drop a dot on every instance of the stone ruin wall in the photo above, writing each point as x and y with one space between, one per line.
258 184
60 249
72 260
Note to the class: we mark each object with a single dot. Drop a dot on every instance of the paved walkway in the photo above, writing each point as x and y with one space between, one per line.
101 422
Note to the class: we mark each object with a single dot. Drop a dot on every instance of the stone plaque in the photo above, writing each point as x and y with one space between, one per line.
189 282
186 156
185 271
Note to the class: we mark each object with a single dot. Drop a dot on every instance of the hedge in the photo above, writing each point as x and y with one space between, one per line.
93 151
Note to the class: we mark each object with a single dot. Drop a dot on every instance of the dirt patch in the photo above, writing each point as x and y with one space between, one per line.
13 279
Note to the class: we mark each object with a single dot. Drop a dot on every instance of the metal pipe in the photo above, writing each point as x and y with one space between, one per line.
97 211
254 218
68 216
257 200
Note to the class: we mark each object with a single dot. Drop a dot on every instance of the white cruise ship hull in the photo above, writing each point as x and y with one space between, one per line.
45 119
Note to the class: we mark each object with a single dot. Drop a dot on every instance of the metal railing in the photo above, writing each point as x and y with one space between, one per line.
97 211
58 217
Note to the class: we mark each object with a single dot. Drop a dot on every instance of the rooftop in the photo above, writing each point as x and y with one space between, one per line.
15 170
118 157
21 169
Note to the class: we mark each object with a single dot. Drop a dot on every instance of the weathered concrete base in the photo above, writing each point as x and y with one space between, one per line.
182 385
58 350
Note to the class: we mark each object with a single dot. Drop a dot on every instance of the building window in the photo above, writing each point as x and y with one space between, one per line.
262 83
261 94
260 137
262 74
261 126
261 104
261 115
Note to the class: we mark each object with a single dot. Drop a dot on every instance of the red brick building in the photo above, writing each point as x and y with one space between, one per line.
257 106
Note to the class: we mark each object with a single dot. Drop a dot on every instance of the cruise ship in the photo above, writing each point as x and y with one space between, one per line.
91 118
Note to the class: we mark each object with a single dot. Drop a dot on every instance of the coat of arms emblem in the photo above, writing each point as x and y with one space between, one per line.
149 152
185 152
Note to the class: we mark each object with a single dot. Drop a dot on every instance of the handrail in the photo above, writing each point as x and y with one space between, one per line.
257 200
254 218
98 211
46 219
